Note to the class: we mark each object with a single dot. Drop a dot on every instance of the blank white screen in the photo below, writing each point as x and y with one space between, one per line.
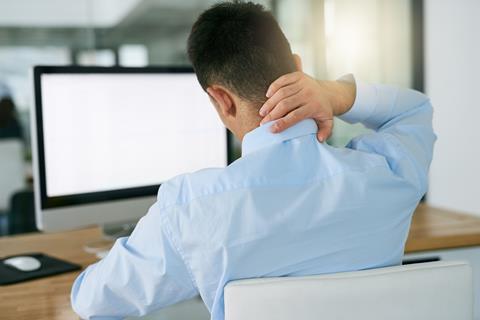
114 131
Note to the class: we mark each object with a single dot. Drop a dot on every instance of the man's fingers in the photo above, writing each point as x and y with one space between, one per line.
282 82
289 120
325 128
281 94
282 108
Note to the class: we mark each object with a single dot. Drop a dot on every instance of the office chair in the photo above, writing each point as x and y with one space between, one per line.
12 170
21 216
433 290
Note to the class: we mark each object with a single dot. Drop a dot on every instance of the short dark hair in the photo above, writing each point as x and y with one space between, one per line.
240 46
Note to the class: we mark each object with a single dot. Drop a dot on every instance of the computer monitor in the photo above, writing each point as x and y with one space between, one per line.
104 139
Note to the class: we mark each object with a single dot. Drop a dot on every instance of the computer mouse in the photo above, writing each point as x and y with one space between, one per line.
23 263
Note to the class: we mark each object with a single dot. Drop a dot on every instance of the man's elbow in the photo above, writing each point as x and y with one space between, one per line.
82 298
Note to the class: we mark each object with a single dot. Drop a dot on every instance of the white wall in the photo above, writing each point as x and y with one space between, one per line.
452 60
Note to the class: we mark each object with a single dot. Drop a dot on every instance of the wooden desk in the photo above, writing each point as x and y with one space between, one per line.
48 298
436 229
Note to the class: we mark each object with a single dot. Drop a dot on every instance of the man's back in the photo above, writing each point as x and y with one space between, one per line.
296 207
290 206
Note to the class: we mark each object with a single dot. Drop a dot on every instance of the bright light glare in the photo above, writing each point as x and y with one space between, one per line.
352 38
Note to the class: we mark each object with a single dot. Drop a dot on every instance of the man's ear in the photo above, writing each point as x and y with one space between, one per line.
298 62
222 100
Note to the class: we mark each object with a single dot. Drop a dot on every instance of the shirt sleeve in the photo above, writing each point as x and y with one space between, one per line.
140 274
401 120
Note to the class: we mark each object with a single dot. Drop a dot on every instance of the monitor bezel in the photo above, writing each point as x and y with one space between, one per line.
49 202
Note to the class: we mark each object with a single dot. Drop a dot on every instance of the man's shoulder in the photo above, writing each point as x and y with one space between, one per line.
184 188
282 165
245 172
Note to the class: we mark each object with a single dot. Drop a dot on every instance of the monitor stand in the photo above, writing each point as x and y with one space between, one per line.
113 231
110 233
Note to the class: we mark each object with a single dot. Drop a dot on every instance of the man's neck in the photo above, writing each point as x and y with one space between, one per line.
250 123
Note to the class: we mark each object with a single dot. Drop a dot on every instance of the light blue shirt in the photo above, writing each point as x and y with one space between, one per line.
290 206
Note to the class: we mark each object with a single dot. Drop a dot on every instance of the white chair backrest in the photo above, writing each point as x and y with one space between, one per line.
12 170
434 290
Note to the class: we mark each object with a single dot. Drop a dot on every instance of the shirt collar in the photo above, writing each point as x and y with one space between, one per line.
261 137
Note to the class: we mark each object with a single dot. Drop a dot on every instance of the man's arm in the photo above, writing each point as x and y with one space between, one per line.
140 274
401 119
403 133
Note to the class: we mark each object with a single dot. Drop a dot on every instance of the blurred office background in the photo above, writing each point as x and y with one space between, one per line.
429 45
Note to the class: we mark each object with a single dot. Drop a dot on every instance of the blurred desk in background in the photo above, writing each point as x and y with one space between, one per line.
438 229
47 298
434 232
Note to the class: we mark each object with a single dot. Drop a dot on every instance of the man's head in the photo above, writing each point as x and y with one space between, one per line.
237 50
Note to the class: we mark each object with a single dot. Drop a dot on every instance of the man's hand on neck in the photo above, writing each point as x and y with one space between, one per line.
297 96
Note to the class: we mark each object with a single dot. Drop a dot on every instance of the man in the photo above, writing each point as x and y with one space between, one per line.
290 206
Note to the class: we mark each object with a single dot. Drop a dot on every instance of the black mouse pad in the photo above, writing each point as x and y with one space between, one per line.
49 266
